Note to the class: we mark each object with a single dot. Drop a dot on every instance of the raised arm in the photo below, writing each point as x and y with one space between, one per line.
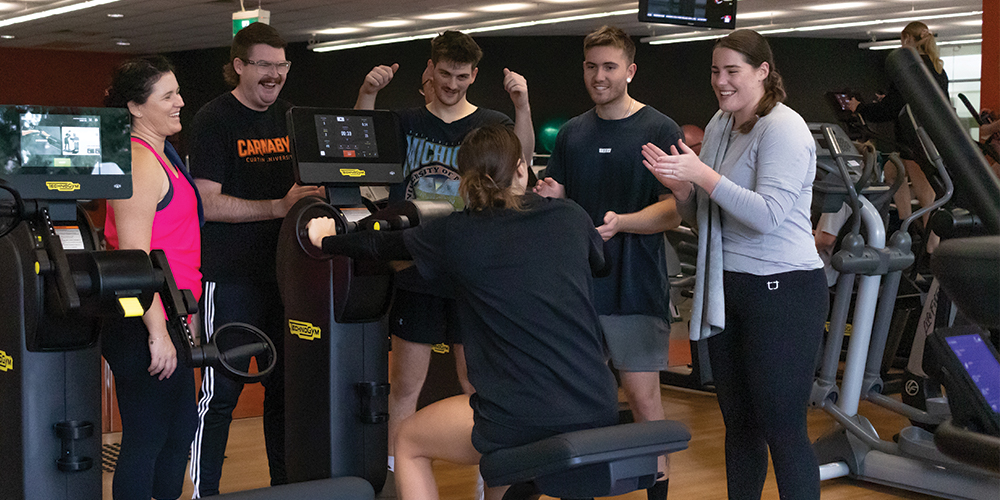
225 208
517 87
376 80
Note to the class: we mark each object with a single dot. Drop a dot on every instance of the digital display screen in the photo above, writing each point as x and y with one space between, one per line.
60 140
339 147
340 136
704 13
982 367
65 152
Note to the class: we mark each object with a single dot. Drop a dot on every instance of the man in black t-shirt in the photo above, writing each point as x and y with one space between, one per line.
597 162
421 316
242 166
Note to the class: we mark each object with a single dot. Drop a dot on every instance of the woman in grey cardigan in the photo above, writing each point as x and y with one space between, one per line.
761 296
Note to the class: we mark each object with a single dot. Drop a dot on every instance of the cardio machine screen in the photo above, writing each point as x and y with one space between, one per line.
60 140
702 13
345 147
982 368
341 136
66 153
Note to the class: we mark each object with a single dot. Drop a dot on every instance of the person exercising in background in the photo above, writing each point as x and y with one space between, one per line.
243 169
917 36
422 316
597 162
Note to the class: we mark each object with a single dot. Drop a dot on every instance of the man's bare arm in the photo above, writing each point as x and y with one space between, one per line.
224 208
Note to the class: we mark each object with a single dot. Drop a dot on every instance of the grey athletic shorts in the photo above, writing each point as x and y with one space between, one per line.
637 343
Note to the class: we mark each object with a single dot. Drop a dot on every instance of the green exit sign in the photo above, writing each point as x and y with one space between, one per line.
239 24
245 18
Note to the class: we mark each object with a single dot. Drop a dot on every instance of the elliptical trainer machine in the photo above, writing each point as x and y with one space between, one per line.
854 448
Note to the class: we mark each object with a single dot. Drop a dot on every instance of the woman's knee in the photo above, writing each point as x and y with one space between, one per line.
405 444
440 430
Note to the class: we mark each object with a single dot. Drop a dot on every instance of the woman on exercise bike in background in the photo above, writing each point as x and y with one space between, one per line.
534 349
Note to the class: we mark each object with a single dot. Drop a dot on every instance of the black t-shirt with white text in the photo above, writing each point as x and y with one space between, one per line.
248 153
600 164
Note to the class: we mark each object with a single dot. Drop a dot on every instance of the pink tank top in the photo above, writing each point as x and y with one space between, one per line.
175 229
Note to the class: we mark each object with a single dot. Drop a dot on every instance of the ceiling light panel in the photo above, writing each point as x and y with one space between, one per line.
389 23
54 12
338 31
505 7
833 7
441 16
759 15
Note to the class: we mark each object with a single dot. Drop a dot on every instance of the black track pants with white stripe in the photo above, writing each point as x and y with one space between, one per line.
258 304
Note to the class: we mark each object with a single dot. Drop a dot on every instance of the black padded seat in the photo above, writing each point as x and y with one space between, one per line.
341 488
598 462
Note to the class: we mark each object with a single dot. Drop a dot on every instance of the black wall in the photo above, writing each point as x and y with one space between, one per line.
675 79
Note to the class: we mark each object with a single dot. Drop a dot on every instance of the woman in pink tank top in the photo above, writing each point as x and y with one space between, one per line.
154 387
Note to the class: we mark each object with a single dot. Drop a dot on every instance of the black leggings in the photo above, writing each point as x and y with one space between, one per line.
158 416
763 364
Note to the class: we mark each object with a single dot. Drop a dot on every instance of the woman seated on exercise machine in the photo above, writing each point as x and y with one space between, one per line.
533 345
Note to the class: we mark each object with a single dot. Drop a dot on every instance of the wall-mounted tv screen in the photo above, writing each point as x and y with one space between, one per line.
66 153
701 13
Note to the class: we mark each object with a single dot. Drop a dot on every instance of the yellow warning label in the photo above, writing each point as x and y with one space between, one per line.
6 362
62 186
352 172
303 330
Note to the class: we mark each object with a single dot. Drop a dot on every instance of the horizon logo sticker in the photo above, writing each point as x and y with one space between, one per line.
352 172
62 186
6 362
303 330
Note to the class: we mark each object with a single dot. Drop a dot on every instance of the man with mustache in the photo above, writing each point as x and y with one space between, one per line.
421 317
242 165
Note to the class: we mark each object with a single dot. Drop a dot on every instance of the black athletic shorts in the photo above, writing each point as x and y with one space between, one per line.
488 436
424 319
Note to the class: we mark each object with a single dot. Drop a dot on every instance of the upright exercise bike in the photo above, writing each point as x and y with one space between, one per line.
56 288
337 368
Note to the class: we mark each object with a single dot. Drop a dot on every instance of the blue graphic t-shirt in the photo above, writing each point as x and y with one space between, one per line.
430 168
